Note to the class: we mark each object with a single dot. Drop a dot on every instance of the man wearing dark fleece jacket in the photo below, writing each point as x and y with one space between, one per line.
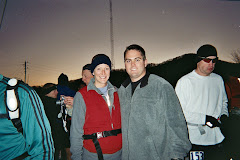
153 124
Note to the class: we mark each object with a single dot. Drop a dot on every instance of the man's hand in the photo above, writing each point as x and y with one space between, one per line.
68 101
224 124
223 118
212 122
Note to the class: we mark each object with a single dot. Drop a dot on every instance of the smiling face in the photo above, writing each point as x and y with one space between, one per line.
204 68
101 74
135 65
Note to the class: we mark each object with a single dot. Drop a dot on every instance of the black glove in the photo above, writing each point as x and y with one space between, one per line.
213 121
223 118
224 125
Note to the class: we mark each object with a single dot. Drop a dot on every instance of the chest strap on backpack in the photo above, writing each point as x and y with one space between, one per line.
12 104
98 135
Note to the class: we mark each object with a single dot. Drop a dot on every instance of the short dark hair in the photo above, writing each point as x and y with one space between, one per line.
48 87
135 47
87 67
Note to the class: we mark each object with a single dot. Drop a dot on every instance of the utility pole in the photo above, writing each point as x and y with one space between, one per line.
111 35
25 69
3 12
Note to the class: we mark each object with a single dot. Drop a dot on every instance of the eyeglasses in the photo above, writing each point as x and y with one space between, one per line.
208 60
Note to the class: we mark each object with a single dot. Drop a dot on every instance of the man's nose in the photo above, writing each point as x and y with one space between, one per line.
133 63
211 62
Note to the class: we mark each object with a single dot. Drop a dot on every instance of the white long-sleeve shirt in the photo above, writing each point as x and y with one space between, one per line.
200 96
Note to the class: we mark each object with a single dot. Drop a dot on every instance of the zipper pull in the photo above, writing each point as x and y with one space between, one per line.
108 100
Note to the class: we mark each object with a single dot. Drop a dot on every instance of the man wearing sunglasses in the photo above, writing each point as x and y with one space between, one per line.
204 102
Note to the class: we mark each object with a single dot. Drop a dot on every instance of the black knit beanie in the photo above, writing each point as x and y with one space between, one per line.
100 59
63 80
205 51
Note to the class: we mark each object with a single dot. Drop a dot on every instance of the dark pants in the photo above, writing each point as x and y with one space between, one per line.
231 132
213 152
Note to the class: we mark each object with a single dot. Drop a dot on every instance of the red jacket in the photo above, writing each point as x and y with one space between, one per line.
98 119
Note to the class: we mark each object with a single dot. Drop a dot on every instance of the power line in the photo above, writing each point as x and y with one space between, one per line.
45 68
17 74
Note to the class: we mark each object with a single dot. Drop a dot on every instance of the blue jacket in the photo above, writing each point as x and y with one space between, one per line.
36 139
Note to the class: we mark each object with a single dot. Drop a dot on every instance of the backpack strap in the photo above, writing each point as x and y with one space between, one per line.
12 104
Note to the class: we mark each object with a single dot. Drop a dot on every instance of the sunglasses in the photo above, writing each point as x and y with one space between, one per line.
208 60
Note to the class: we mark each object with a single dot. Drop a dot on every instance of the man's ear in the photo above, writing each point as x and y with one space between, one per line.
145 62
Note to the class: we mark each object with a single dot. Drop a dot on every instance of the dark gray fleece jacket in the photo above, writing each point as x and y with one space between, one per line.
153 124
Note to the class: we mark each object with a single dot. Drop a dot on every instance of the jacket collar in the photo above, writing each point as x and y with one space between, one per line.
144 81
91 86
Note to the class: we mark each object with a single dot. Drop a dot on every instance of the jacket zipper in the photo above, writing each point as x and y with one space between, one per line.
109 104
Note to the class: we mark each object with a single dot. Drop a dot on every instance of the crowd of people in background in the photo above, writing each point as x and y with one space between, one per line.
145 118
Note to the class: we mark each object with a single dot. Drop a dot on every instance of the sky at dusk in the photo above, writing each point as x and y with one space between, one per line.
61 36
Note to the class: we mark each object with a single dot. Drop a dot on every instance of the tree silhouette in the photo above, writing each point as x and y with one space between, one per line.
171 70
235 56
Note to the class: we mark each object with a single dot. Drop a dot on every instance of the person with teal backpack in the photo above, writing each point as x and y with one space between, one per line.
25 131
